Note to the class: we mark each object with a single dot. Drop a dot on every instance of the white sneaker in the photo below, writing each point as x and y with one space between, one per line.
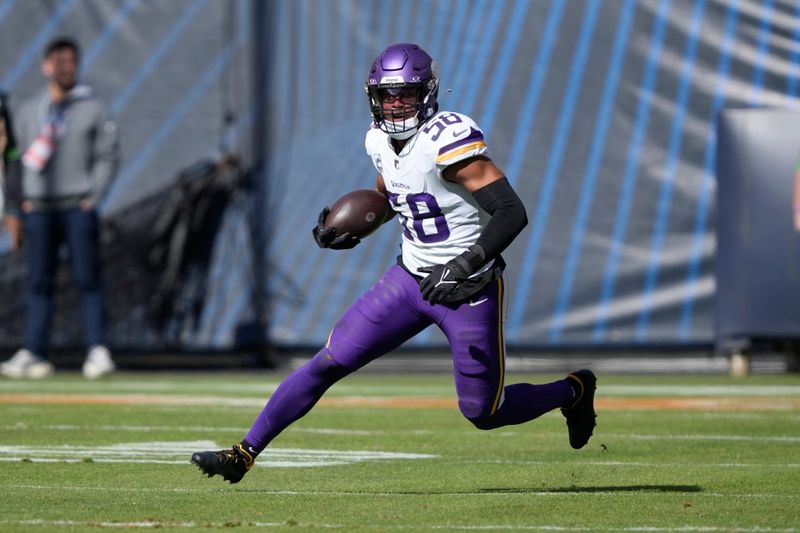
98 363
26 364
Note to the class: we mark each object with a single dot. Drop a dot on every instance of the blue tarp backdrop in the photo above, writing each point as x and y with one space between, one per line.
602 114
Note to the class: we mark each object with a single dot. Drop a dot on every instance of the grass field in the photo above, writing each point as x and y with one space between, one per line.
670 453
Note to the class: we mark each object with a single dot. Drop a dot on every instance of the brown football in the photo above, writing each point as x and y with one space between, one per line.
358 212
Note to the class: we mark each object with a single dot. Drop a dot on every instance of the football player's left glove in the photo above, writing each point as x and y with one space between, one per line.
325 236
443 281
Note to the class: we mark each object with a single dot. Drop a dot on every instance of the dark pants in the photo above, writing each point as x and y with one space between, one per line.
44 233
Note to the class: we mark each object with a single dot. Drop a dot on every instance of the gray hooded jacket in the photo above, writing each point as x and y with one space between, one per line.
86 156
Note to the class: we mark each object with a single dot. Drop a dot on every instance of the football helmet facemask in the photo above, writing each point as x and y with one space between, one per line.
402 88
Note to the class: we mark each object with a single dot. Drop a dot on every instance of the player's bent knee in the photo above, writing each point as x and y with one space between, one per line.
478 413
484 422
324 365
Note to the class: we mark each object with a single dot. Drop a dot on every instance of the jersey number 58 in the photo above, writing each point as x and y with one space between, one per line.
423 207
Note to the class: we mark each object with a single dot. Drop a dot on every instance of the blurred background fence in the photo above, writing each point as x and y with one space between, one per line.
240 119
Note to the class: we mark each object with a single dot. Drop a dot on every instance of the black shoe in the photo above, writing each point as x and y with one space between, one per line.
231 464
581 416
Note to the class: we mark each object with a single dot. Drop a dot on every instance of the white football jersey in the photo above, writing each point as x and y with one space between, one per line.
440 219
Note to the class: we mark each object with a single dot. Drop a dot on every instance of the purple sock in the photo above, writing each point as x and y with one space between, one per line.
293 398
524 402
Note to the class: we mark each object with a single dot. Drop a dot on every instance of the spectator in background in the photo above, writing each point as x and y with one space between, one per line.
70 153
9 163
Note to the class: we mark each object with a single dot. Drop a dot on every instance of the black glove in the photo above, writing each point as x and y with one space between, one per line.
444 280
325 236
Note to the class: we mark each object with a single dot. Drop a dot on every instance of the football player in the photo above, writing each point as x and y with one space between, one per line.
457 213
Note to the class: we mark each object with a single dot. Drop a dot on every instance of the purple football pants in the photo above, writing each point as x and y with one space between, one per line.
388 314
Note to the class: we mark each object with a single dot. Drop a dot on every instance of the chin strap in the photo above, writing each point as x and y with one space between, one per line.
408 127
403 135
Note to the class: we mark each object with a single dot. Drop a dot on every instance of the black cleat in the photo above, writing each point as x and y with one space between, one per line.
232 464
581 416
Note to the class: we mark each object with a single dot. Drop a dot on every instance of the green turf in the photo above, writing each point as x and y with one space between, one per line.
644 470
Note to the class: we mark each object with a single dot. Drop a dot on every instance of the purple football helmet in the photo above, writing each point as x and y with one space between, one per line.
402 87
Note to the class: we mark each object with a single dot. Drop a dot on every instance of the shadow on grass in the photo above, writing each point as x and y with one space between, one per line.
611 488
520 490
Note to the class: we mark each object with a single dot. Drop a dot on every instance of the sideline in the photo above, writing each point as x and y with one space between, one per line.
738 403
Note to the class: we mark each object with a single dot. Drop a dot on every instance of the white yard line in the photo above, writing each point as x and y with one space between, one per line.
741 438
274 461
668 391
654 529
169 452
781 439
139 399
265 388
488 527
170 387
150 524
224 488
638 464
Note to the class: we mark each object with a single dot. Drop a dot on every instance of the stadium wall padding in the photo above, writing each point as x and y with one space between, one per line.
758 250
601 113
